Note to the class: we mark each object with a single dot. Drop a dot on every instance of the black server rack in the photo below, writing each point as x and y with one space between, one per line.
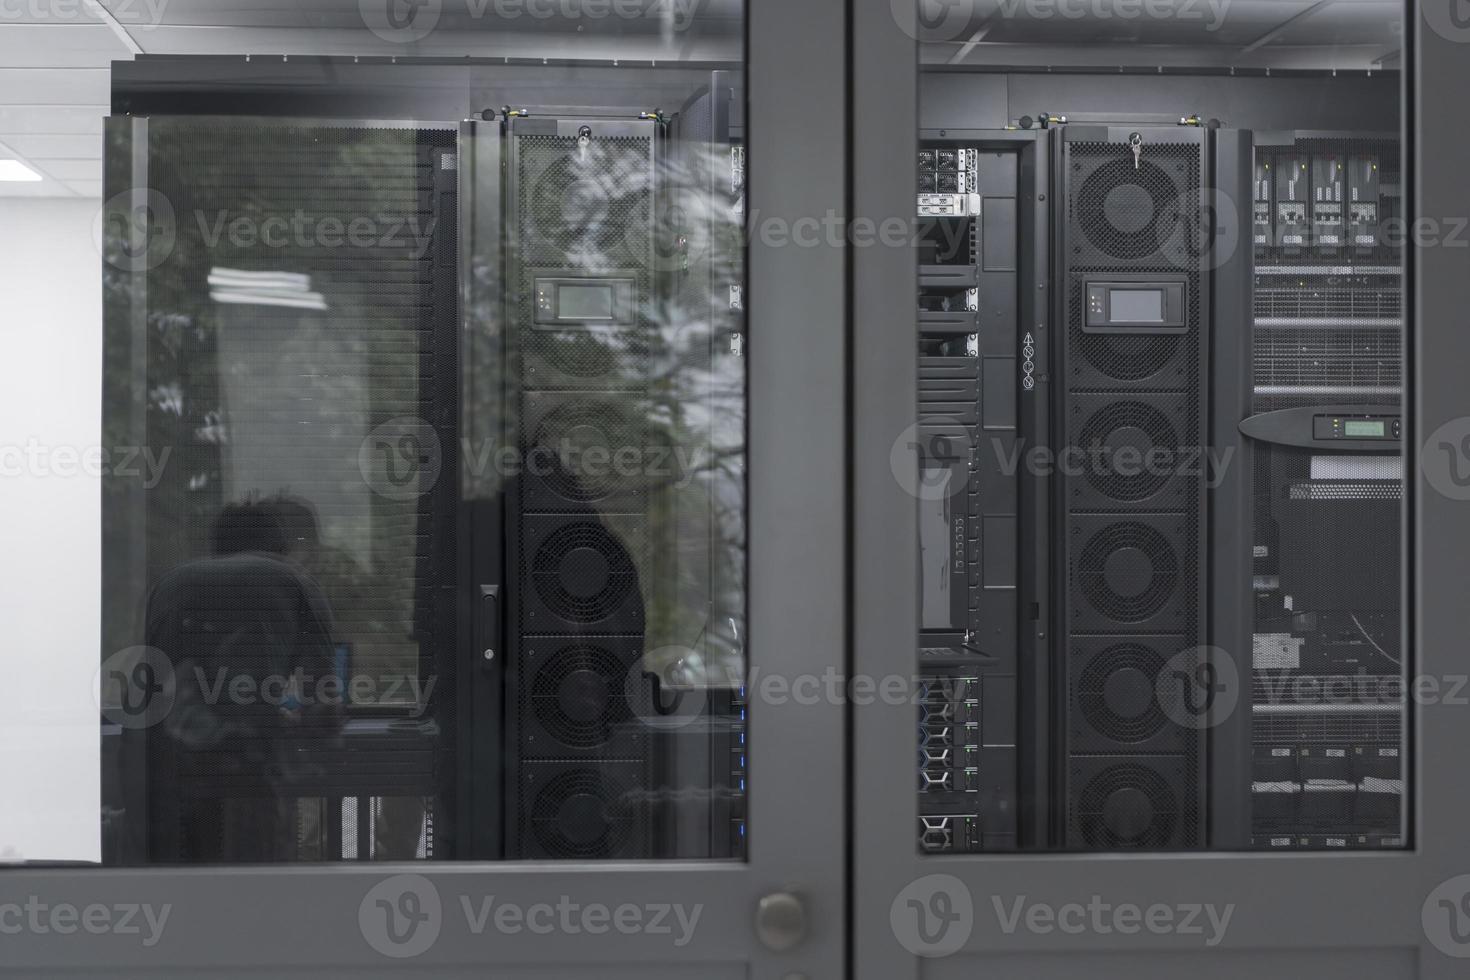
624 698
978 366
225 778
1132 394
580 222
1328 695
1070 281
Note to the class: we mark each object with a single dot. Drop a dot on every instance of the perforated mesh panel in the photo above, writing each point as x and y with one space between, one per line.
584 211
589 501
1158 571
1130 805
299 310
1133 520
1146 216
583 812
1135 454
584 575
577 694
1100 703
1328 331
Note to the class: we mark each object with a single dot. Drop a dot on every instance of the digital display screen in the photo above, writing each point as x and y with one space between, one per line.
1364 429
1136 306
589 302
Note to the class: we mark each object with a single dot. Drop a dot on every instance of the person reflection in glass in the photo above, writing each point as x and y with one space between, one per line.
249 634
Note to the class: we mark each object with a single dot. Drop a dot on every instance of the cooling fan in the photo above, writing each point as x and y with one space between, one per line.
586 450
583 575
1116 693
577 812
1129 805
578 696
592 204
1129 572
1132 445
1130 213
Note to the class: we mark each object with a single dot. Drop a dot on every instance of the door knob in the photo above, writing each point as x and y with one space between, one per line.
780 921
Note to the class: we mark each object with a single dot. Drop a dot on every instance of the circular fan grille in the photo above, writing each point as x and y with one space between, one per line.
1127 212
1116 693
593 203
577 814
566 433
577 354
582 573
577 696
1128 358
1128 806
1136 427
1128 571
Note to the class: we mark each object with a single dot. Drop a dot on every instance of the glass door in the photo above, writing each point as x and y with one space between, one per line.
1159 496
466 464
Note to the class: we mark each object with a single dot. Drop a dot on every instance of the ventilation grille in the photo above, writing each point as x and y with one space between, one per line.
1131 806
1134 217
583 574
586 449
1326 300
1346 490
1135 358
581 813
1340 728
1347 365
578 695
586 208
1131 212
1116 693
1129 571
1118 439
589 212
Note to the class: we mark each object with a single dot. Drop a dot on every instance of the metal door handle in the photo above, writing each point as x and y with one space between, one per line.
780 921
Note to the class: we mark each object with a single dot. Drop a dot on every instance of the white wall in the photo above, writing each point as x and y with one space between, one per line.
50 555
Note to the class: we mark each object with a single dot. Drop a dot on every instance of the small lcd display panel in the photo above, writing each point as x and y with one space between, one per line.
1365 429
1136 306
584 302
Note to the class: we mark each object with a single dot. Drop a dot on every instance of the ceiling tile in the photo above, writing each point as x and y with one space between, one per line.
1348 22
69 170
56 12
53 120
47 188
53 46
55 86
86 188
53 147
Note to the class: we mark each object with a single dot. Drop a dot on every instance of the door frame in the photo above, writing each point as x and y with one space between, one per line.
1324 913
292 920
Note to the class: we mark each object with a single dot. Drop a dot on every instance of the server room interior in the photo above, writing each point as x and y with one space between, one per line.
1058 610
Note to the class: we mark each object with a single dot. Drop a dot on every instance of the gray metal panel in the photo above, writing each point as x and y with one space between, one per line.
283 921
1231 600
798 519
1388 964
885 618
976 99
1438 348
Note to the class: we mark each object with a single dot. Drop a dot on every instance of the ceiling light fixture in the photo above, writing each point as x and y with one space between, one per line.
14 170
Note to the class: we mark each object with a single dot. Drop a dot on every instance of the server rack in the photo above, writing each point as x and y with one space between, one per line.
1329 693
1162 685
